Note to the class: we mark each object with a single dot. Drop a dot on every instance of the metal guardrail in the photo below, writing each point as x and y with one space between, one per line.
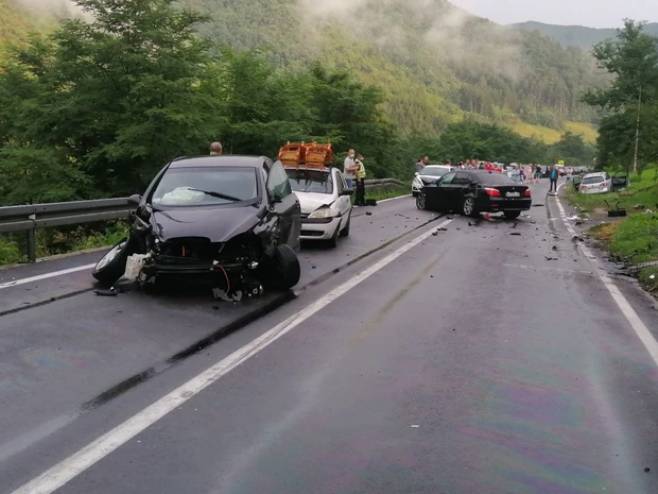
28 218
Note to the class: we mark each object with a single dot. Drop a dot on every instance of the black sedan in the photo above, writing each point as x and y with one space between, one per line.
233 219
472 192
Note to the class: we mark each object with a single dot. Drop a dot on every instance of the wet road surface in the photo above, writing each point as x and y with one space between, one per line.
489 357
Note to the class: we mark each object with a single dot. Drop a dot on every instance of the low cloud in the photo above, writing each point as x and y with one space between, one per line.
449 33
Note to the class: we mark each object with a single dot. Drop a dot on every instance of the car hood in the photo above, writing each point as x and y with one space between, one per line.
428 179
218 224
310 201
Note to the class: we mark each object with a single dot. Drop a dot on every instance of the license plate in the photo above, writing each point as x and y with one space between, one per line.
513 194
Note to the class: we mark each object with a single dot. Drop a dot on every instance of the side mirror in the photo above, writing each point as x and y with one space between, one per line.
347 192
135 200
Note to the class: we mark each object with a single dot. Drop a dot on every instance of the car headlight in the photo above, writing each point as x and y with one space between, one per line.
323 213
417 183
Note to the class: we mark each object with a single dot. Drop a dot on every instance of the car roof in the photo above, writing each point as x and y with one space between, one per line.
215 161
597 174
309 169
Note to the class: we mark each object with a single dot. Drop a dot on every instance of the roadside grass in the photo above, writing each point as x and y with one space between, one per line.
641 195
633 240
54 241
382 193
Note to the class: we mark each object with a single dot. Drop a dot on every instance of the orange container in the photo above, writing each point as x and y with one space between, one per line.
311 155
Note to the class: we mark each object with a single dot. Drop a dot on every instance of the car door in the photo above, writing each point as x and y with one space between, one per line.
461 185
343 201
284 204
440 195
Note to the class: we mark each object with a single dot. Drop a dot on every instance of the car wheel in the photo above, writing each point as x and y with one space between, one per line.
113 264
346 231
469 208
283 271
512 215
421 201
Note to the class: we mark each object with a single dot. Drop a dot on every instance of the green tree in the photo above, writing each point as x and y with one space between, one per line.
572 149
632 60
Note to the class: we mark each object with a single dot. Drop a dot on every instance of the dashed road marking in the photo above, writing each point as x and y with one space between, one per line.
69 468
45 276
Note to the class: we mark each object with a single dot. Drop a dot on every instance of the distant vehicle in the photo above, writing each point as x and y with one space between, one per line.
325 202
234 219
429 175
475 192
595 183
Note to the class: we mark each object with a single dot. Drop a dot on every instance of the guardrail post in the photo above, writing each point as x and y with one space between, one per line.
32 240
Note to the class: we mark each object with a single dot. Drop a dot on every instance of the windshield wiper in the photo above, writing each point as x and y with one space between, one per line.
218 195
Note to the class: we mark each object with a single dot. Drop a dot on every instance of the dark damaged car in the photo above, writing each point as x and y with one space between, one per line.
233 220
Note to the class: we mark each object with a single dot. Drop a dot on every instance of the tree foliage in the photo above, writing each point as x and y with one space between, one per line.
632 60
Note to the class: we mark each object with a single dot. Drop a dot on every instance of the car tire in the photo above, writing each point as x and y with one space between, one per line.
113 264
283 270
345 232
421 202
468 207
512 215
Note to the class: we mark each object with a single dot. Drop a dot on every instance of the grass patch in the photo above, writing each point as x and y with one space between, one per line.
636 239
584 129
54 241
382 193
641 195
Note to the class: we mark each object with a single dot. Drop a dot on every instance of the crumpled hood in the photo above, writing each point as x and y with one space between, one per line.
310 201
218 224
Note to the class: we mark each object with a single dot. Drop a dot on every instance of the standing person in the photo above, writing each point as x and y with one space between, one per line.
554 176
216 149
537 174
422 163
360 181
349 168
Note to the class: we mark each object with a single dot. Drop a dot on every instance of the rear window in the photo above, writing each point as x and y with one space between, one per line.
493 179
593 180
434 172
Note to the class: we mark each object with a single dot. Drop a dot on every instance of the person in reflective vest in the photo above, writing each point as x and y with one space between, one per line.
360 181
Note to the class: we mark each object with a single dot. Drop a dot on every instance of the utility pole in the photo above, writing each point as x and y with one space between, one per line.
637 132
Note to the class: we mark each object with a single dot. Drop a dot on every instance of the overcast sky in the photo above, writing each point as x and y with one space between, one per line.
595 13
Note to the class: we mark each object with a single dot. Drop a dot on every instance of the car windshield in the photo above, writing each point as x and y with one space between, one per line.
434 172
206 186
593 180
311 181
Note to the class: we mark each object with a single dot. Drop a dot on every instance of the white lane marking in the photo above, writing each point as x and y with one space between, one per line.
627 310
394 199
54 274
69 468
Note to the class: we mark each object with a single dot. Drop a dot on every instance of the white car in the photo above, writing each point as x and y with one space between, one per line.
429 175
325 201
595 183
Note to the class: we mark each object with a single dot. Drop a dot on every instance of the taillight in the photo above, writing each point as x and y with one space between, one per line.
492 192
527 193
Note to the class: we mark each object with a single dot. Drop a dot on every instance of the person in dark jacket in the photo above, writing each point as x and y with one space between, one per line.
554 176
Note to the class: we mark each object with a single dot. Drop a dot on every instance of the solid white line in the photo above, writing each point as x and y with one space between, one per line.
45 276
63 472
643 333
394 198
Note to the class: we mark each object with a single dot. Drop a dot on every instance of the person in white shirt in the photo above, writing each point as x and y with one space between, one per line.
350 167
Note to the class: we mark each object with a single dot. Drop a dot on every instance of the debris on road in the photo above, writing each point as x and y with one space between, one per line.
368 213
110 292
551 258
538 206
516 234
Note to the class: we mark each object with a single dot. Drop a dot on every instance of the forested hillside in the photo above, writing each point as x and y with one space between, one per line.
434 63
577 36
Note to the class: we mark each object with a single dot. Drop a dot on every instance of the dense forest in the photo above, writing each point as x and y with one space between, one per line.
97 106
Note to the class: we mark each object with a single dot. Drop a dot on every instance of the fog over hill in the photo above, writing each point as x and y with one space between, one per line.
577 36
434 63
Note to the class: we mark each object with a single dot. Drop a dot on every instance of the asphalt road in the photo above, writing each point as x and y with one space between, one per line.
482 357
